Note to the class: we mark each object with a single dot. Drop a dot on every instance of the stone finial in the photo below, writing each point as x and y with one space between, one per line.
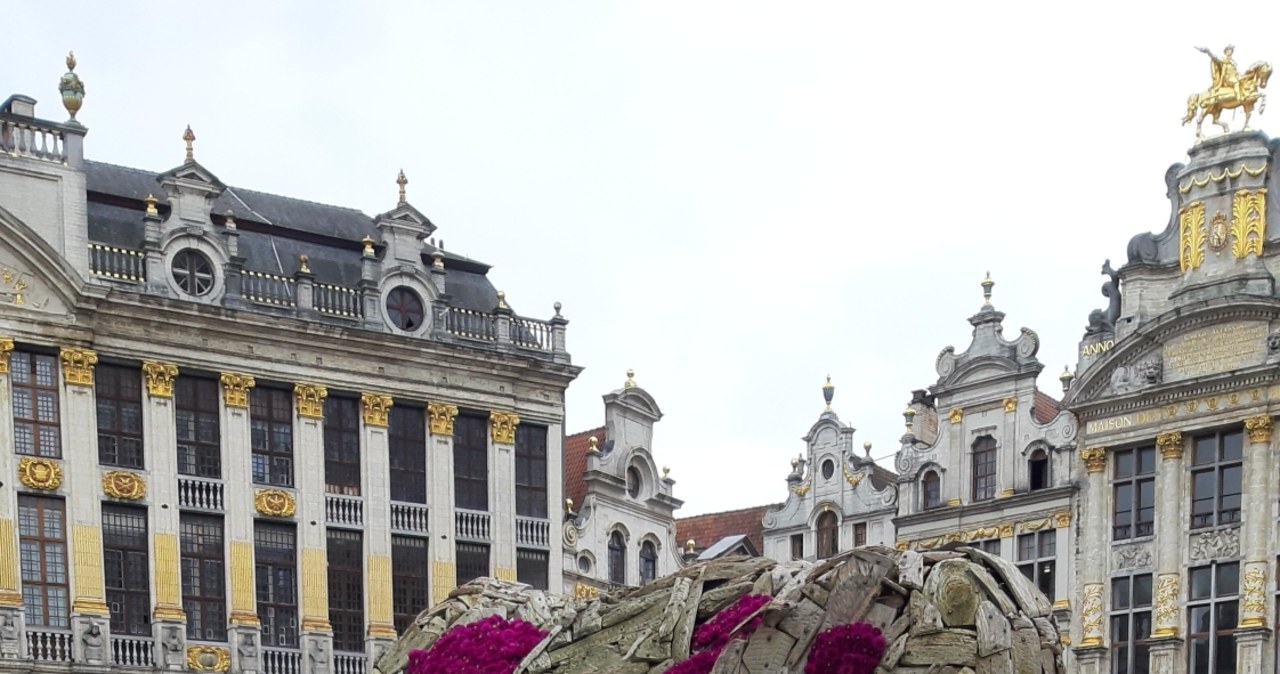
437 260
71 87
230 220
368 245
593 445
1066 378
302 264
401 181
828 392
688 546
866 447
557 307
189 137
795 462
987 283
502 301
631 379
666 472
151 205
568 505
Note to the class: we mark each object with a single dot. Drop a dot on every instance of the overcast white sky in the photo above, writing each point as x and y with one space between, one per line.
734 198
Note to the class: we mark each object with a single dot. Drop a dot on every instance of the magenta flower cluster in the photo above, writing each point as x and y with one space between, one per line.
715 634
846 649
494 645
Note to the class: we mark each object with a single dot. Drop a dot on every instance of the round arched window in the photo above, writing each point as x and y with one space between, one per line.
828 469
404 308
584 564
633 482
192 272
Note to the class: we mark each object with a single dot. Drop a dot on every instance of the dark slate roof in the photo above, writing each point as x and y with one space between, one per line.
274 232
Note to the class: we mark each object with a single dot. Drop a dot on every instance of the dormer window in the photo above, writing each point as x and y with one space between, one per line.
192 272
1038 469
633 482
405 308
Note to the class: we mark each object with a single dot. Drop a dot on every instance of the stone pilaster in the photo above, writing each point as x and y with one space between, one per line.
84 505
1169 527
444 567
238 476
162 461
502 493
1090 660
1011 462
308 452
1092 572
555 504
955 490
376 487
1253 652
10 573
1167 656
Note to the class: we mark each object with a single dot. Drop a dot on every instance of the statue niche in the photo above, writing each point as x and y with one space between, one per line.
1101 321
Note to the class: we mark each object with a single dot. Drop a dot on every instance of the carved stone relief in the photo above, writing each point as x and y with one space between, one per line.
1144 373
1131 557
1210 545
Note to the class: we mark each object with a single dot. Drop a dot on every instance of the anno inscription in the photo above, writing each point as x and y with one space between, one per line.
1219 348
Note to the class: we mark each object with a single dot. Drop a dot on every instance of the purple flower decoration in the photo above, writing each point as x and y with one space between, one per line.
711 638
846 649
494 645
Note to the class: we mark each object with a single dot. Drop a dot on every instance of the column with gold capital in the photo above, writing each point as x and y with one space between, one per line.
237 471
161 457
502 493
444 568
308 452
1092 571
1259 493
379 611
10 573
84 504
1166 635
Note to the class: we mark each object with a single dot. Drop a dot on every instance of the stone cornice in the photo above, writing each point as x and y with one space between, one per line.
996 506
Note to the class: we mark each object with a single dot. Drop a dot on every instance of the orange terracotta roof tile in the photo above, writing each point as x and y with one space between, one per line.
575 463
1044 408
706 530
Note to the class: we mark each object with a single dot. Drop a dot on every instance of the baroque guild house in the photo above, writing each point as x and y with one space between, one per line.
247 432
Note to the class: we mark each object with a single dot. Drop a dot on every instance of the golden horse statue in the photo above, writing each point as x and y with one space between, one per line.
1229 91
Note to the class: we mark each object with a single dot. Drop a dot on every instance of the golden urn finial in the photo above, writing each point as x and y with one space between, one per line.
866 447
189 137
302 264
72 88
987 283
631 379
402 181
688 546
828 393
368 245
1229 89
151 205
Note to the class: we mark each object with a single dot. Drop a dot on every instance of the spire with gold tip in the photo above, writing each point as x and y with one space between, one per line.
72 88
987 284
401 181
828 393
189 137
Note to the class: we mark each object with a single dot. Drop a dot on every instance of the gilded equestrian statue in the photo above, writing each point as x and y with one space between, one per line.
1229 90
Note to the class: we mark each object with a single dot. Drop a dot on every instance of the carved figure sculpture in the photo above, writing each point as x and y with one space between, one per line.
92 640
9 636
1100 321
1143 249
174 653
1228 90
319 658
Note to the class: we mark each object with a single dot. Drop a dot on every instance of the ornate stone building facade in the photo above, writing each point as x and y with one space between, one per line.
987 459
837 498
246 432
619 527
1176 390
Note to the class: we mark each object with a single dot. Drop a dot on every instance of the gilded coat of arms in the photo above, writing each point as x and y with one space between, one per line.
1219 232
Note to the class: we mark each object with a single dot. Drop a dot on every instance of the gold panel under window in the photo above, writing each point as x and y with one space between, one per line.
208 659
244 607
381 614
444 578
86 541
315 598
10 578
42 474
168 579
275 503
123 484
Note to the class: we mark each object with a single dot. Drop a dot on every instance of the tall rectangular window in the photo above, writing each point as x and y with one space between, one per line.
1037 558
1216 478
204 593
126 569
410 583
346 590
859 534
118 391
471 462
34 378
473 561
984 469
1133 491
797 546
42 540
271 422
407 440
1212 608
531 567
195 405
275 552
1131 624
342 446
531 470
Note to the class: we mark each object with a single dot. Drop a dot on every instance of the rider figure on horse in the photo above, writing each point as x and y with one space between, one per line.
1224 71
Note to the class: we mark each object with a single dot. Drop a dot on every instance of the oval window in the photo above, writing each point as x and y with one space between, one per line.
828 469
405 308
192 272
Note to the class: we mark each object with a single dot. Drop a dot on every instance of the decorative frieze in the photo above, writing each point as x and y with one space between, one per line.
38 473
6 347
1166 605
441 416
377 408
123 484
275 503
1211 545
159 378
235 389
1170 444
1259 428
1091 616
1248 221
502 426
1131 557
77 365
309 399
1001 530
1095 459
1253 604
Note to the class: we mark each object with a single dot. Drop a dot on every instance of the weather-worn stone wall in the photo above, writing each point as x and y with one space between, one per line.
956 611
